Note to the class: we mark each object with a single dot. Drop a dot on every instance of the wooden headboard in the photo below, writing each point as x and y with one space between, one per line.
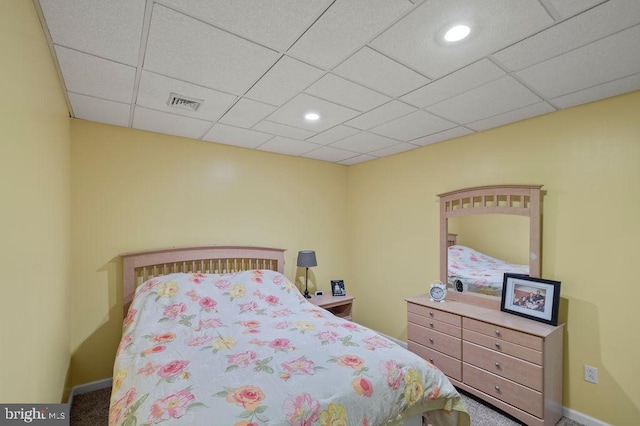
141 266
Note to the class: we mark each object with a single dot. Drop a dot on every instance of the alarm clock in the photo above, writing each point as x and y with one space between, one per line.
438 291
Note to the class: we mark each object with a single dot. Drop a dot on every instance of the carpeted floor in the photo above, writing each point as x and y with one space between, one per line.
92 409
483 414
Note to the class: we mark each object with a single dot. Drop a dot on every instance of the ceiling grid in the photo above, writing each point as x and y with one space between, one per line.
378 73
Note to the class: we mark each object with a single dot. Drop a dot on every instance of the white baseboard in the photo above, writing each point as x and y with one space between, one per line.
89 387
582 418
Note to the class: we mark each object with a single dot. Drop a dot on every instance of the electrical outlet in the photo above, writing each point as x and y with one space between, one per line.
590 374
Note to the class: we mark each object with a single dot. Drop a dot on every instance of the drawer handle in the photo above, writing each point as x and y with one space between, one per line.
498 365
431 339
431 360
431 324
497 388
497 332
497 345
430 314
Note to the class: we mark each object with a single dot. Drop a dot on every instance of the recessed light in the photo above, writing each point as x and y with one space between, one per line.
457 33
312 116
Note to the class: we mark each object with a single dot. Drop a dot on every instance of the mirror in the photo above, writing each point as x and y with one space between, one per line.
501 236
510 215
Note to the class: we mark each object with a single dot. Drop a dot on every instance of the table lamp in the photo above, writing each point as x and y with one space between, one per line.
307 259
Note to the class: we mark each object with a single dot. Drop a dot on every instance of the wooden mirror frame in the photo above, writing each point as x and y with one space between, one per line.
521 200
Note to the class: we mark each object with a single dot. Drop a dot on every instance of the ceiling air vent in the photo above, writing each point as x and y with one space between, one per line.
184 102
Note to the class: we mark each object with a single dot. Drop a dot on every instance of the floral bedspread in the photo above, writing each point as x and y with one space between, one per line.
480 272
246 349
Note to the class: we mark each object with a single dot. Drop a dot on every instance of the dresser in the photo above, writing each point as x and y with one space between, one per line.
340 306
510 362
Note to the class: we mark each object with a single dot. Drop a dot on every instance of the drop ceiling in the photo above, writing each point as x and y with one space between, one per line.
376 71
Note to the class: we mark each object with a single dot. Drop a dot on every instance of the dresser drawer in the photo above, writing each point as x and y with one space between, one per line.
436 325
503 346
515 369
451 367
510 392
435 314
523 339
435 340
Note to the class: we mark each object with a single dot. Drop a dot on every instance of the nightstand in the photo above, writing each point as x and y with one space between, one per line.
340 306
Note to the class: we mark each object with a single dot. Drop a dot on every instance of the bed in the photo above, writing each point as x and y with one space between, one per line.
472 271
219 336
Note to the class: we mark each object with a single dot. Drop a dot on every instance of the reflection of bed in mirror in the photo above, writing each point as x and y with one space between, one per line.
471 268
472 271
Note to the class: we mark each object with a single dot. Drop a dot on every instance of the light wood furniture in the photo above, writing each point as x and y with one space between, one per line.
340 306
521 200
141 266
511 362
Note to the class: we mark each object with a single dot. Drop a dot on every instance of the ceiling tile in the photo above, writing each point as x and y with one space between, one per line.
93 76
567 8
276 24
358 159
456 132
109 29
412 126
163 122
608 59
416 39
343 92
287 146
327 153
334 134
344 27
511 116
283 130
491 99
246 113
230 135
155 90
284 81
292 113
605 90
467 78
190 50
374 70
395 149
100 110
364 142
380 115
592 25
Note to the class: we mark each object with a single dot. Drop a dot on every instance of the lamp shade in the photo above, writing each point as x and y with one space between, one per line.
307 258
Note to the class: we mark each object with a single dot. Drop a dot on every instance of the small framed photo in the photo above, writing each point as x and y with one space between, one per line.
337 288
534 298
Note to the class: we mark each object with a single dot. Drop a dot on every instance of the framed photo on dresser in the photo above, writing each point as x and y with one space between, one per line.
337 288
534 298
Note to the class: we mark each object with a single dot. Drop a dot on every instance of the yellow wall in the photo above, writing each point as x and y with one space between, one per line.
374 224
135 190
34 218
588 159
